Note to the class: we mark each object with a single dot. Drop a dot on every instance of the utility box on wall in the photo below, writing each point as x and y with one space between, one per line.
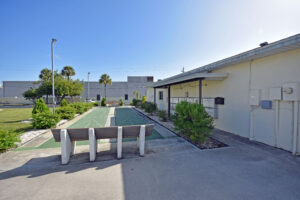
266 104
275 93
219 100
254 98
291 91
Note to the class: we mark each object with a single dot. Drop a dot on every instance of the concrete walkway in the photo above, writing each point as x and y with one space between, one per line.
172 169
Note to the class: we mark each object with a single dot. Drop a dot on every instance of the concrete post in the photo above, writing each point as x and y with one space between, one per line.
142 140
119 143
93 144
73 147
65 146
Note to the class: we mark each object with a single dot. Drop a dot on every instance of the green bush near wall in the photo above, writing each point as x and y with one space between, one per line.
121 102
149 107
192 120
103 102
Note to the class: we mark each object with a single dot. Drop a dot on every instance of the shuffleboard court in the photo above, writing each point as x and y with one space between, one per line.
97 118
127 116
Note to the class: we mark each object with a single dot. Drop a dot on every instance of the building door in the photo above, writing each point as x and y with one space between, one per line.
98 97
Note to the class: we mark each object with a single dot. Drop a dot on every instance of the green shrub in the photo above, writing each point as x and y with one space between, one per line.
121 102
103 102
8 139
149 107
79 107
136 102
45 120
96 104
162 115
66 112
192 120
144 99
40 107
64 103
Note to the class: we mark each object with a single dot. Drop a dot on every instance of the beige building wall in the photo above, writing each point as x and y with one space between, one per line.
190 89
234 116
261 74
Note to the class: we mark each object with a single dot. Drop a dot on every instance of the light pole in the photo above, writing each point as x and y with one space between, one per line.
53 94
88 96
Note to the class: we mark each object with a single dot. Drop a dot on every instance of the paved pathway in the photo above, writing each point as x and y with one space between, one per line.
171 169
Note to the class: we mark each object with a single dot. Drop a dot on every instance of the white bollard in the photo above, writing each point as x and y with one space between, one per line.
65 143
119 143
142 140
93 144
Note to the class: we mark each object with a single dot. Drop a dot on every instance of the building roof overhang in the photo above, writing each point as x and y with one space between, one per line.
277 47
191 77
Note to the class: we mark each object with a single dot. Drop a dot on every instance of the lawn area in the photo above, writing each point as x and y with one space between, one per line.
10 119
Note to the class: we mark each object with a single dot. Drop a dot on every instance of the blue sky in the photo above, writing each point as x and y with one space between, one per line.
145 37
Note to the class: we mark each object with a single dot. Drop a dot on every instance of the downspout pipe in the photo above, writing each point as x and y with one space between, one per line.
295 128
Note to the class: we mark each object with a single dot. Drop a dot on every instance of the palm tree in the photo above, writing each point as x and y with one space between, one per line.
68 71
105 79
137 94
45 74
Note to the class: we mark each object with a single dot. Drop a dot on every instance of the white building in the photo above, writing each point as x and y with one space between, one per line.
118 90
254 94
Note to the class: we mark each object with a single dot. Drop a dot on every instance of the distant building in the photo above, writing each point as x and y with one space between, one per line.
1 91
118 90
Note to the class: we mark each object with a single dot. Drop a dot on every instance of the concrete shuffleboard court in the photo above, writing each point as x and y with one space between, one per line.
98 118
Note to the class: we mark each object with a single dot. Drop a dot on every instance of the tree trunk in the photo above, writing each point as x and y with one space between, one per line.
105 90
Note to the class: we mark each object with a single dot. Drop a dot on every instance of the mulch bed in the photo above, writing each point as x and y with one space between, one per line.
209 143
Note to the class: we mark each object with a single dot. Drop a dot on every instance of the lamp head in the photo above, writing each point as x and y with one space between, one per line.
53 40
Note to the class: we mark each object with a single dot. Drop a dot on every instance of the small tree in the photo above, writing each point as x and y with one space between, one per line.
31 94
68 71
144 99
192 120
136 94
105 79
40 107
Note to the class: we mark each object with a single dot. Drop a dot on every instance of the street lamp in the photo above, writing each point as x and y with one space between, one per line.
53 94
88 96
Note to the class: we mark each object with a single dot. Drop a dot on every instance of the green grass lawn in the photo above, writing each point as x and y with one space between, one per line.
10 119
